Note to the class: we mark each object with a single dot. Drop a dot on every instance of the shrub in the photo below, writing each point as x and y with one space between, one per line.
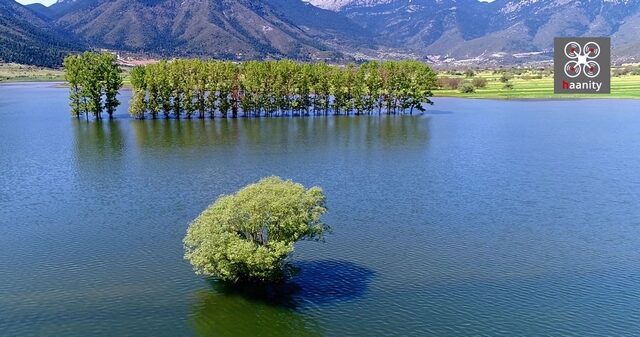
508 86
531 77
505 78
467 88
469 73
479 82
621 71
449 82
246 237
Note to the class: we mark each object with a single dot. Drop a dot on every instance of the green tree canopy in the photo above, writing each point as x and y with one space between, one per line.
182 88
248 235
92 76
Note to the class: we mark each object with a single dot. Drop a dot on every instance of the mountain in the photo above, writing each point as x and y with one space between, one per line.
323 23
337 5
459 31
544 20
41 10
26 37
503 29
223 28
420 23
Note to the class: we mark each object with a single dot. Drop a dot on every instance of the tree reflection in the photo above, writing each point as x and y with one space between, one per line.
171 133
313 132
278 309
98 141
226 312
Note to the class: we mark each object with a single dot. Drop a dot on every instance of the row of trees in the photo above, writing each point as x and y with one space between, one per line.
196 88
94 82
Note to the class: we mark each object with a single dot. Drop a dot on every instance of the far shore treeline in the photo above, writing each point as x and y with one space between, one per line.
192 88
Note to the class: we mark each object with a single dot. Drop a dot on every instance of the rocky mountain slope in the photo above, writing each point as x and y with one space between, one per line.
503 31
222 28
464 29
337 5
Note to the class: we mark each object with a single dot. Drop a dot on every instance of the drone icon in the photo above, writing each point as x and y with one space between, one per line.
582 59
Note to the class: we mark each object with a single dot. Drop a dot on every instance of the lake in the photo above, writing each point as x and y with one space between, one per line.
479 218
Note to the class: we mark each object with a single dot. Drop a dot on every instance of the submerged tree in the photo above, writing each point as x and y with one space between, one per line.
92 77
138 105
112 77
248 235
182 88
72 76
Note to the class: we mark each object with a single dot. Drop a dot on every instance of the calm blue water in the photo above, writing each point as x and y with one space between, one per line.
481 218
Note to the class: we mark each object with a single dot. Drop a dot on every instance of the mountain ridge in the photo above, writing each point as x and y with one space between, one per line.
441 31
27 37
467 29
225 28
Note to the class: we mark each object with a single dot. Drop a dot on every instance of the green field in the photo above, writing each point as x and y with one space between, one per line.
11 72
527 87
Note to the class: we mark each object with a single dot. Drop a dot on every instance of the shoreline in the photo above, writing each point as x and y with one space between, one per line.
541 98
475 96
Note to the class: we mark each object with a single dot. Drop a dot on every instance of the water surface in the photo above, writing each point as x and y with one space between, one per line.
480 218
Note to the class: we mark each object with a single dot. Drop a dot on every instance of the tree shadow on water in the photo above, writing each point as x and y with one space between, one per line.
329 281
313 283
278 309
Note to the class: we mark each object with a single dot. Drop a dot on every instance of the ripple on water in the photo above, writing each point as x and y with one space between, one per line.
481 219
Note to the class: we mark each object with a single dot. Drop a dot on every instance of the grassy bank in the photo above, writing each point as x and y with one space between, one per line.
534 86
526 85
11 72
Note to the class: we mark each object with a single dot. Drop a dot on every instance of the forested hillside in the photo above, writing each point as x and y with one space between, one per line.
25 37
